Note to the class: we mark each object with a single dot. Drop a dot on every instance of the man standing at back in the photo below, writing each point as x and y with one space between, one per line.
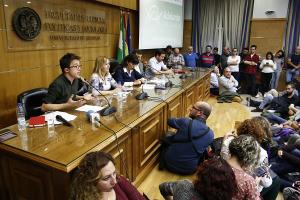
190 58
187 147
63 92
251 62
207 59
293 67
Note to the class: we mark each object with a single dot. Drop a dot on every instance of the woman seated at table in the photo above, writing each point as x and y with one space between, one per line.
101 79
96 178
127 73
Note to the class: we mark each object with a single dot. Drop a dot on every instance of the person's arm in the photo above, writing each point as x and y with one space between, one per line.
225 82
292 159
273 64
225 153
214 80
153 68
262 64
289 62
175 123
118 76
182 60
235 82
130 191
68 105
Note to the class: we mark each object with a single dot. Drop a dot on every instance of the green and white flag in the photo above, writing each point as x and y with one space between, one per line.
122 47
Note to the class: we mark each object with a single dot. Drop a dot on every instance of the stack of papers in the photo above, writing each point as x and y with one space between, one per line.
86 108
65 115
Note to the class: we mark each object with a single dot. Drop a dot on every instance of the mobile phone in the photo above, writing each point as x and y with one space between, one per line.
260 172
6 134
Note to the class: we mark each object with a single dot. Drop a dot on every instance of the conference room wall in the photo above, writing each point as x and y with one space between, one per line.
27 69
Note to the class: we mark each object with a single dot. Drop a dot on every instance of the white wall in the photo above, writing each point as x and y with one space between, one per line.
279 6
188 9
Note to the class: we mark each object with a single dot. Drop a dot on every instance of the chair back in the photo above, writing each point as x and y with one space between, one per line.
114 64
32 101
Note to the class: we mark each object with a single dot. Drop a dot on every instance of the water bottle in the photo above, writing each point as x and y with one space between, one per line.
21 118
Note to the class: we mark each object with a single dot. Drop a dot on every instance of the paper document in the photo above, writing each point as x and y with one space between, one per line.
65 115
86 108
148 86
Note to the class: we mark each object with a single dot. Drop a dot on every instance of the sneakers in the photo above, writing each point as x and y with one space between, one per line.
257 109
259 94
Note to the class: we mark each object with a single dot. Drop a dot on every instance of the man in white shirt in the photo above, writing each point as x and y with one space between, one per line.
157 65
228 87
227 82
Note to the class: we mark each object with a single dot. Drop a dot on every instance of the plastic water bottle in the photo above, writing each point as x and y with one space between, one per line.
21 118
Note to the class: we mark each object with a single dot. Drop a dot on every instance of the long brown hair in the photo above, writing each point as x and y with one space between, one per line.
84 184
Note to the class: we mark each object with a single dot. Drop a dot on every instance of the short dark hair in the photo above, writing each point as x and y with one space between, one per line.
216 48
131 58
282 52
159 52
215 177
169 47
208 46
253 45
66 60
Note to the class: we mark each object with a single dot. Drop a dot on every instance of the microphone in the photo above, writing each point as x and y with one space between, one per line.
167 84
142 95
63 120
107 110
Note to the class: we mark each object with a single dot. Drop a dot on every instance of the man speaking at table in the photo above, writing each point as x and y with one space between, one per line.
64 92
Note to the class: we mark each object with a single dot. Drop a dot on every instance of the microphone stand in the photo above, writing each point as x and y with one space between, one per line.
108 109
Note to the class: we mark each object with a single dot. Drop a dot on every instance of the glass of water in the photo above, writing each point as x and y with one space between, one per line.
50 122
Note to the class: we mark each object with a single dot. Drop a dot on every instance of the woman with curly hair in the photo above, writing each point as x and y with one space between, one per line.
244 151
215 181
259 129
96 179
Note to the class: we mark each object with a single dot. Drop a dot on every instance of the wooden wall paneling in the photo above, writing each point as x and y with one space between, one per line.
174 110
199 91
146 144
267 34
189 99
32 181
27 69
122 156
206 87
187 35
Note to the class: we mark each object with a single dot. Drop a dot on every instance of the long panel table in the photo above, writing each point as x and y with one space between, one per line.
39 165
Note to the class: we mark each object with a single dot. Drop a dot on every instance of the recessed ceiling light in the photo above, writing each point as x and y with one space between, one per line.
5 5
28 2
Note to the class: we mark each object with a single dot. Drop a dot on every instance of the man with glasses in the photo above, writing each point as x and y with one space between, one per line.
251 62
182 152
63 92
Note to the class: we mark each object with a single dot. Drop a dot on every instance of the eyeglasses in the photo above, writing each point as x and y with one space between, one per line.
76 66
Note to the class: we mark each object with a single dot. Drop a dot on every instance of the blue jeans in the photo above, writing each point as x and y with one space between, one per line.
268 98
291 74
275 79
274 118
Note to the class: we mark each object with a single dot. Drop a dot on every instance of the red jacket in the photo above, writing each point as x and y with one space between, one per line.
251 69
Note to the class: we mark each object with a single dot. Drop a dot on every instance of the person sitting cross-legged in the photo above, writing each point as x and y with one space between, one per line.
228 87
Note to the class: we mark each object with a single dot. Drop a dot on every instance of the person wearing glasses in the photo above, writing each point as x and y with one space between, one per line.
96 178
66 91
183 151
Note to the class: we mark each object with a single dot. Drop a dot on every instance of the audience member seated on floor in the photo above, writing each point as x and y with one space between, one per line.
66 91
183 151
281 102
96 178
101 79
176 60
228 87
215 180
127 73
294 116
244 156
287 160
269 183
214 82
290 193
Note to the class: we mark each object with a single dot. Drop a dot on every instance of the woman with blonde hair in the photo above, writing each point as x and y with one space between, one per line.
96 179
101 79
